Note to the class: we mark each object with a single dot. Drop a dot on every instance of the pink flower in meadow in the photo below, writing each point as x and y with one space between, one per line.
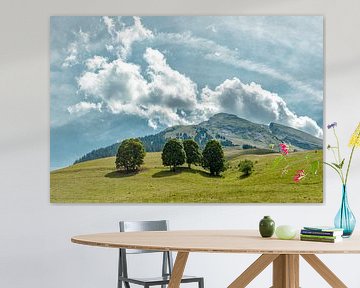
300 174
284 148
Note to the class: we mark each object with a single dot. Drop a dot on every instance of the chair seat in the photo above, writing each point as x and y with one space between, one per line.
158 280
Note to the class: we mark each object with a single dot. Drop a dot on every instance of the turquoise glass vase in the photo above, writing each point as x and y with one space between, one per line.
345 219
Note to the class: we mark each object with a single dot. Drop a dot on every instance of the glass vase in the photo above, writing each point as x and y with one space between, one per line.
345 219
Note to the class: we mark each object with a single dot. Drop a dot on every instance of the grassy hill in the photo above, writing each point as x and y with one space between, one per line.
97 182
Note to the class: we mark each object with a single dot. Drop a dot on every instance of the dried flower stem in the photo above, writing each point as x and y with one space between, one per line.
339 155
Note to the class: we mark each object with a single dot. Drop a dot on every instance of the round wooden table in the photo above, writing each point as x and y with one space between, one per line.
284 254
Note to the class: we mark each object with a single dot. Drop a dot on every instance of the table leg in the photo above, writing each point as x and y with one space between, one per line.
286 271
178 269
253 270
324 271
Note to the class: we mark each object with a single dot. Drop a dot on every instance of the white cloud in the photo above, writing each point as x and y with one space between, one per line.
222 54
168 86
169 97
302 32
212 28
232 59
83 37
252 102
71 59
84 107
95 63
124 38
117 83
110 48
160 116
73 50
109 22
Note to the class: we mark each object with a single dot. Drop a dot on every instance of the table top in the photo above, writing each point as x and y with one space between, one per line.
217 241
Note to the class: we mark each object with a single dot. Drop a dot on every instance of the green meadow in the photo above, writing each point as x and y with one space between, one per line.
97 181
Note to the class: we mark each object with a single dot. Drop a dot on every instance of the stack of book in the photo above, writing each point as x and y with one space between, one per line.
321 234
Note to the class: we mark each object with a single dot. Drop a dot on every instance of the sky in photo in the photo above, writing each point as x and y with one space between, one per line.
117 77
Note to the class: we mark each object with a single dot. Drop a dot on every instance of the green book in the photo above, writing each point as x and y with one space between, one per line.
324 240
319 236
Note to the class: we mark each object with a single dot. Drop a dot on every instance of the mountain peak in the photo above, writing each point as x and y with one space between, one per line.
223 114
226 117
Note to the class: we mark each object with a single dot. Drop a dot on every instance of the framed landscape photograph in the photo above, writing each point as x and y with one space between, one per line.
186 109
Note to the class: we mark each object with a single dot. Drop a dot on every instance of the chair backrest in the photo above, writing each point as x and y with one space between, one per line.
135 226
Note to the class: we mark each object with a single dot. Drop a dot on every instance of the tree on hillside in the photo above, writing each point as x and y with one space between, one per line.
130 155
192 151
173 154
246 167
213 158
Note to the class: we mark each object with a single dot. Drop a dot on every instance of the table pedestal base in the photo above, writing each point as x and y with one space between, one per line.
286 271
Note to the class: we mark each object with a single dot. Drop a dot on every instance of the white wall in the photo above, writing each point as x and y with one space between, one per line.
35 248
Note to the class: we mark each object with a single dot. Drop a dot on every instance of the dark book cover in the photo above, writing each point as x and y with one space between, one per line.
321 233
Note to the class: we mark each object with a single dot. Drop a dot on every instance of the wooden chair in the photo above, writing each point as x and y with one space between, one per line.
167 262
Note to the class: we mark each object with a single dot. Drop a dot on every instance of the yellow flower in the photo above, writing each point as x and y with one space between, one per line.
355 138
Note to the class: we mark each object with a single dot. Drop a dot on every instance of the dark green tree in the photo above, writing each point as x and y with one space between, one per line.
130 155
246 167
192 151
173 154
213 158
